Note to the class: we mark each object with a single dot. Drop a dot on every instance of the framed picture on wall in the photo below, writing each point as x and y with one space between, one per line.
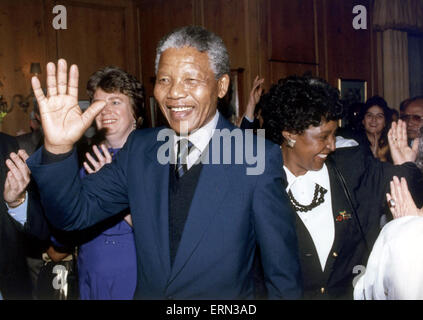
153 112
353 90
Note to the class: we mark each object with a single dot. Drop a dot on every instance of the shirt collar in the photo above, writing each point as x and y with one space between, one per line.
201 137
320 177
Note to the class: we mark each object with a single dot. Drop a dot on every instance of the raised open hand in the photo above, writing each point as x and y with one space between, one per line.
255 94
62 119
402 204
256 91
398 144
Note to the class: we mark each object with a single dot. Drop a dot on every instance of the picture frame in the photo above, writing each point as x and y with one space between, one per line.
153 111
353 90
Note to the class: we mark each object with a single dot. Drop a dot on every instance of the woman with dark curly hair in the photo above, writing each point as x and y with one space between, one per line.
375 118
337 194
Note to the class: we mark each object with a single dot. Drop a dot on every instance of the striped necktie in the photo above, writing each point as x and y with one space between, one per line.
184 148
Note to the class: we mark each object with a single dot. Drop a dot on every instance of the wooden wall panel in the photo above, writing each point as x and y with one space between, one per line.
228 20
292 28
97 36
348 50
156 18
22 42
272 38
280 70
99 33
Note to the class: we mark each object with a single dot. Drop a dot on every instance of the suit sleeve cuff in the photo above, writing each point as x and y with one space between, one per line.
48 157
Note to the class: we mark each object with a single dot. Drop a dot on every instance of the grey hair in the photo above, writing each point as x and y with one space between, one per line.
201 39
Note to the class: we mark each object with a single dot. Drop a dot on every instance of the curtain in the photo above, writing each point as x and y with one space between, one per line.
394 19
396 85
406 15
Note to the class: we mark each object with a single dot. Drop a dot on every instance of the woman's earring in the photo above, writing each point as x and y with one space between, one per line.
134 124
291 143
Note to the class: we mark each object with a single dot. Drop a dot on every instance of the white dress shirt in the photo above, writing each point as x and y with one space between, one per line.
341 142
318 221
19 213
395 267
200 138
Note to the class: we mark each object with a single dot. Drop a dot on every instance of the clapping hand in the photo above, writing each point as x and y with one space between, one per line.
17 178
397 138
62 119
102 159
400 201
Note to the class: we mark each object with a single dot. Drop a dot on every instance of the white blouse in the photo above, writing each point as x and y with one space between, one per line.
318 221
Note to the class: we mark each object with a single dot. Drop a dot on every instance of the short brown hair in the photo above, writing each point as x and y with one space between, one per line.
113 79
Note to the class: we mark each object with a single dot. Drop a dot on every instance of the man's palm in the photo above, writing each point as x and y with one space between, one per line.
62 120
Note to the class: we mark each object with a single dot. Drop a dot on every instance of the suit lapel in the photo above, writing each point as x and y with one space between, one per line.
157 176
342 214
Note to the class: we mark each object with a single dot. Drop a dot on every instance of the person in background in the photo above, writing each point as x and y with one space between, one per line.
393 271
376 121
412 114
40 249
107 258
394 115
33 140
14 275
337 193
252 117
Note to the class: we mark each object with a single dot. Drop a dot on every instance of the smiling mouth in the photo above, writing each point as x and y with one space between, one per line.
322 156
179 108
109 121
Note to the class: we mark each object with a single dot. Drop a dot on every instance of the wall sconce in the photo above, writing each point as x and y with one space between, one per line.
4 109
19 99
35 68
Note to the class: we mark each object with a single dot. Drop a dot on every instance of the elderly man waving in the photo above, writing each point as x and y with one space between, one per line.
198 217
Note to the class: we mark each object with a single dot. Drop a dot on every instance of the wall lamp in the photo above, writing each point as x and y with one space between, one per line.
18 99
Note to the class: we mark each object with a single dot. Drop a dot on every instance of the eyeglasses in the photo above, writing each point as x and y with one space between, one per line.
414 117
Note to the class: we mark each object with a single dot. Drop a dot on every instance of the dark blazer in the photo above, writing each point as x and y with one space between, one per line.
30 141
231 212
14 276
356 220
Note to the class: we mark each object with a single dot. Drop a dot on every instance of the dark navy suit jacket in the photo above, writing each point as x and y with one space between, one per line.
231 212
14 275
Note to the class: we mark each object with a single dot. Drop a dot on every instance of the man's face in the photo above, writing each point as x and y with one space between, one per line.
186 88
413 116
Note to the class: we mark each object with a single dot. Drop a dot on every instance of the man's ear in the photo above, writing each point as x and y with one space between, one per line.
223 85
